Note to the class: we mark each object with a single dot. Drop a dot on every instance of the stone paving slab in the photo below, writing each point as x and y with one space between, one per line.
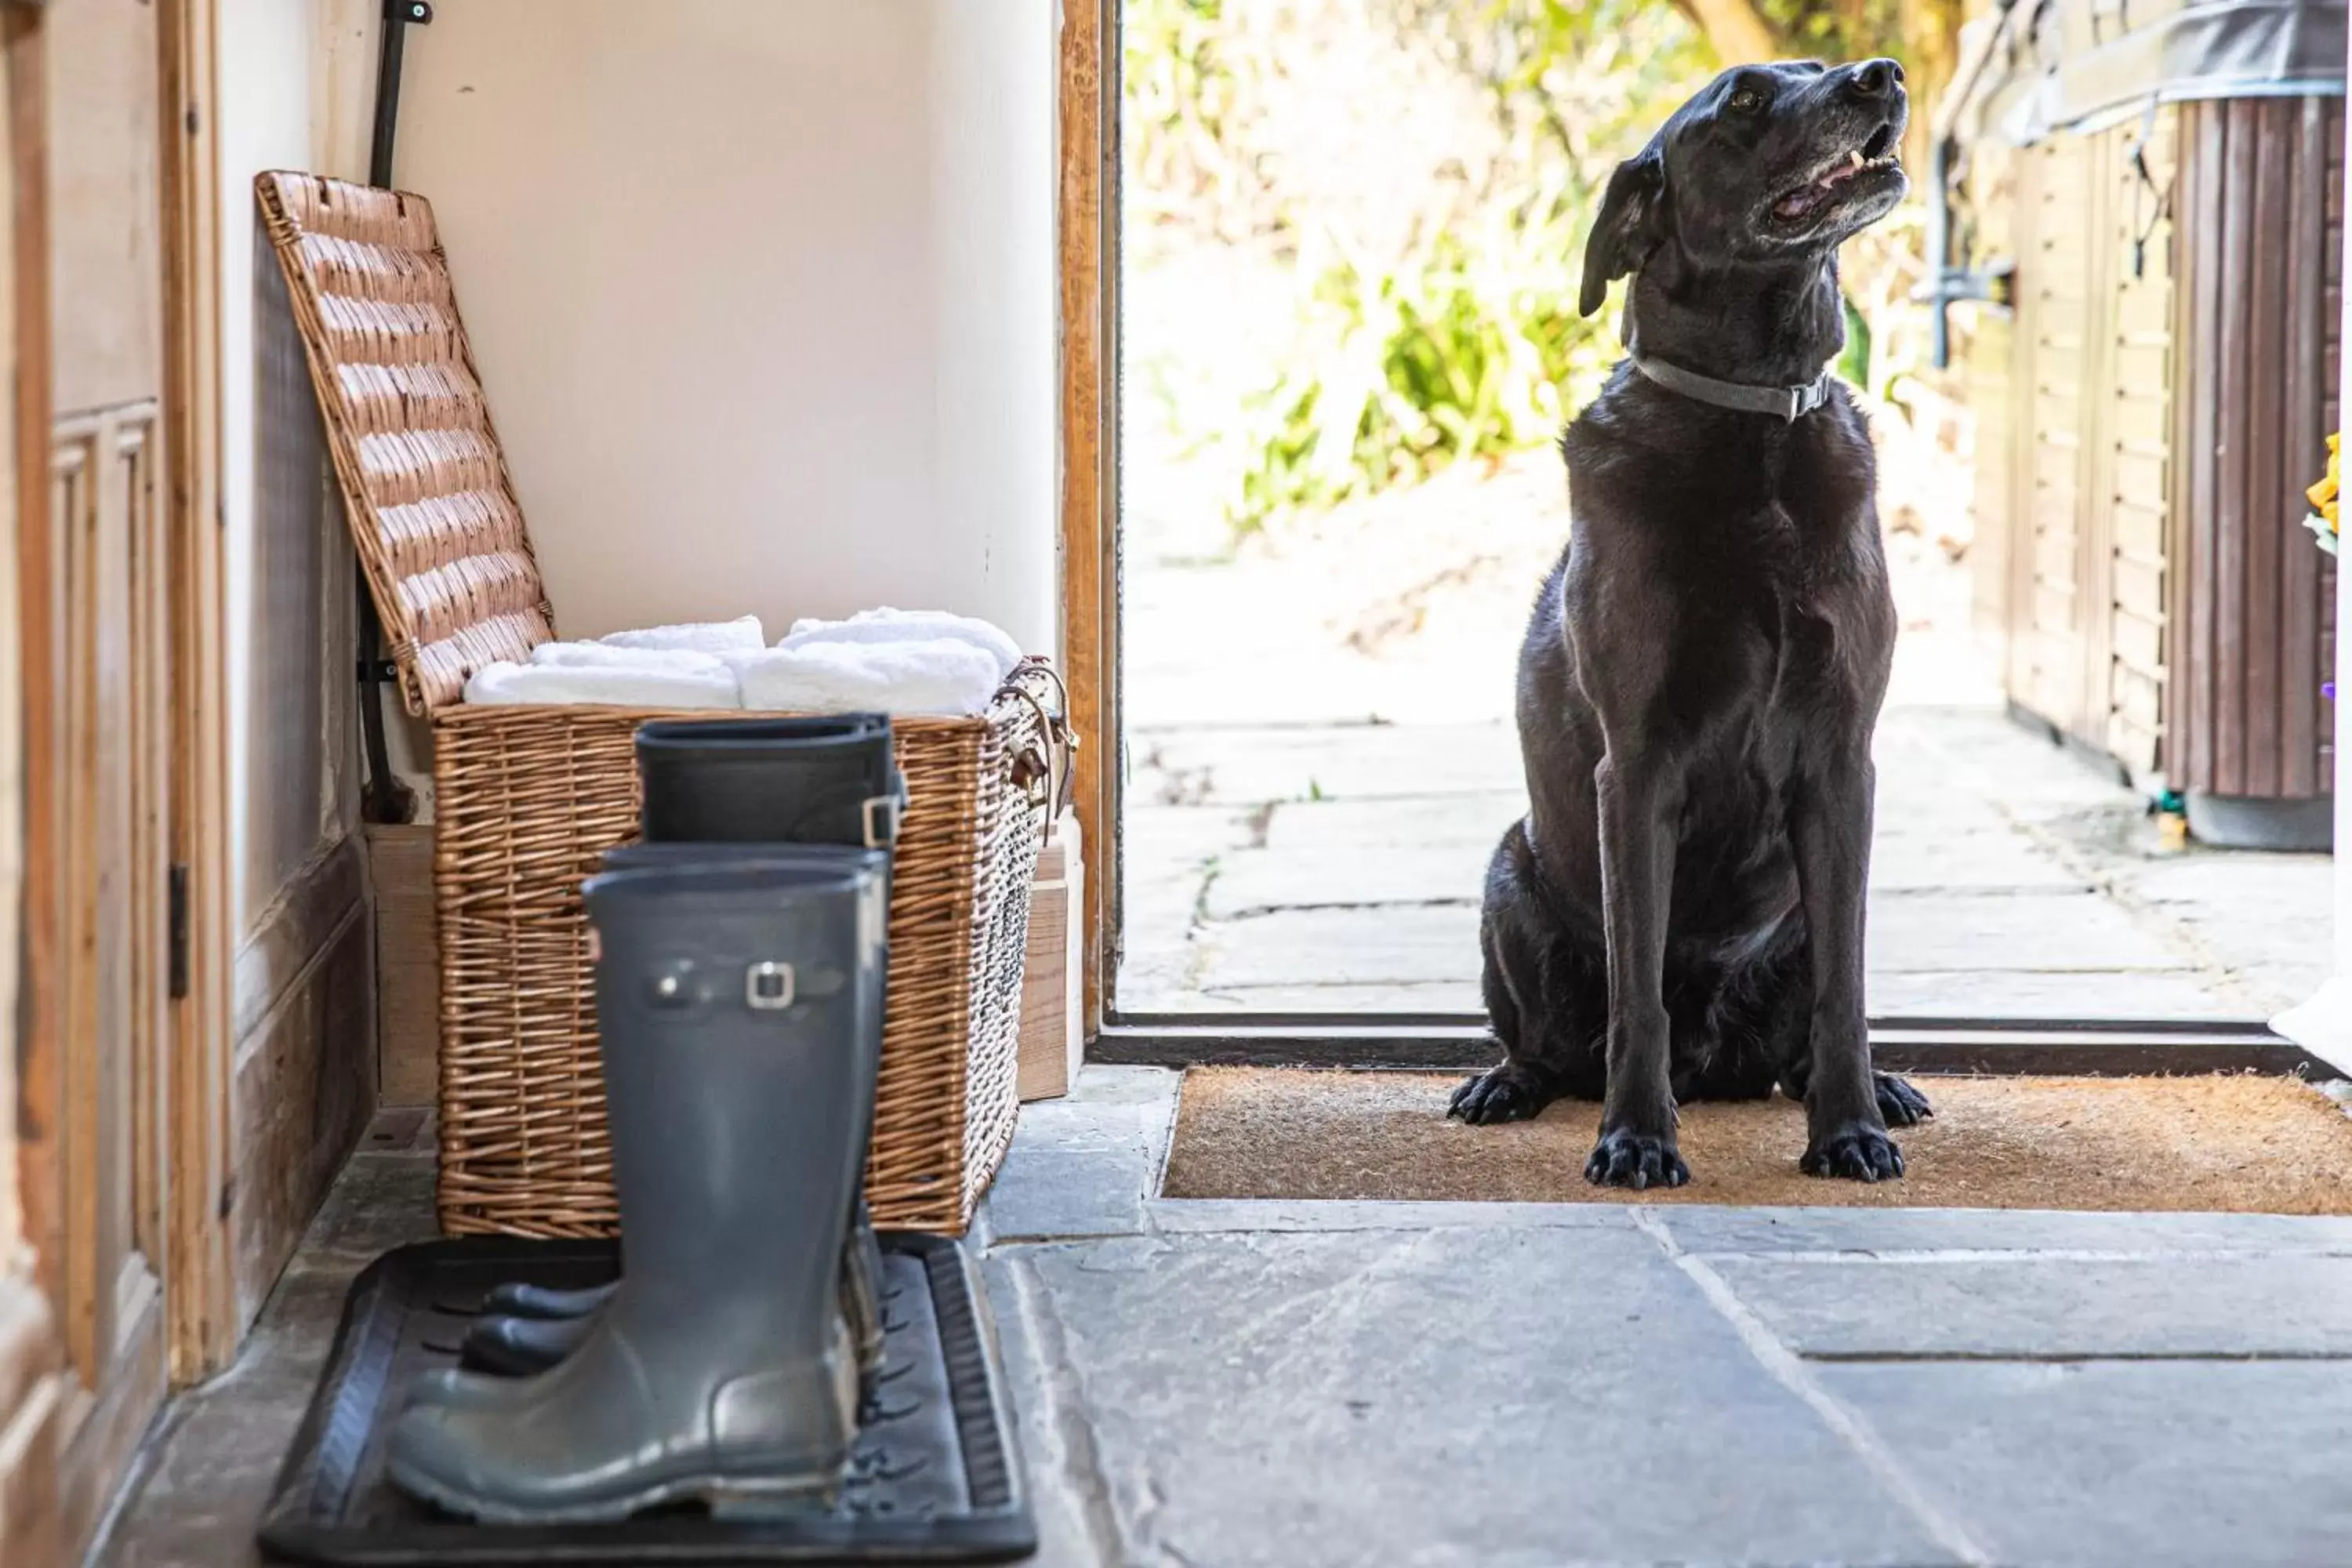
2124 1464
1860 1231
2031 933
2040 1308
1259 882
1360 762
1084 1166
1393 945
1176 1216
2263 916
1494 1396
1456 996
1473 817
2024 993
1992 860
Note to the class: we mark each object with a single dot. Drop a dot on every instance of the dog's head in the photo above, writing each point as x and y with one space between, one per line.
1768 163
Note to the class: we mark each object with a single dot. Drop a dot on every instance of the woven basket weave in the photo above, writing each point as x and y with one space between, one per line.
527 798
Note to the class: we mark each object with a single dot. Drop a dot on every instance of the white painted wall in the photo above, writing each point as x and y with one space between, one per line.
763 294
292 763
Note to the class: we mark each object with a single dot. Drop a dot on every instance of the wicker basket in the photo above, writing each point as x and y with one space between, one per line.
526 798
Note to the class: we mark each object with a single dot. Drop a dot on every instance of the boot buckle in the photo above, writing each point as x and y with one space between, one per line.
882 814
768 987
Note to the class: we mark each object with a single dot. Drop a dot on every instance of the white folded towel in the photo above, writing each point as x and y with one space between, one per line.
889 625
555 683
703 636
605 656
942 676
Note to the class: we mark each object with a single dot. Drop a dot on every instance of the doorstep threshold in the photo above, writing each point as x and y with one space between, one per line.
1458 1042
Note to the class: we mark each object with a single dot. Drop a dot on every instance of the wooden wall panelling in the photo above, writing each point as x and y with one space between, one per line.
2331 316
2094 511
2017 668
2197 314
2062 331
2139 442
1991 371
2259 207
2233 442
305 1079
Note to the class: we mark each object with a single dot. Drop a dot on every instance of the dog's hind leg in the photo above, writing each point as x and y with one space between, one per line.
1546 1054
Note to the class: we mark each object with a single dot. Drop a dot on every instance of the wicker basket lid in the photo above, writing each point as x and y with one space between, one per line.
430 508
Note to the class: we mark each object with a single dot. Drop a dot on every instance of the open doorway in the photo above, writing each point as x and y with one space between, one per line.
1348 240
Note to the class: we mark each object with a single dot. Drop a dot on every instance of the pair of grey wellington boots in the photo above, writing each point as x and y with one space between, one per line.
711 783
741 1030
526 1329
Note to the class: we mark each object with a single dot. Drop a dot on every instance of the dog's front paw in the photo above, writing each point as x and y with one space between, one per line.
1900 1105
1854 1152
1499 1094
1636 1160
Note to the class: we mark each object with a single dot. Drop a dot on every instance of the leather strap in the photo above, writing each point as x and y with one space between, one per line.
1789 403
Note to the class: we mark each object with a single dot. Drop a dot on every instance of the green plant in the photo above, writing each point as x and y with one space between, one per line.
1458 341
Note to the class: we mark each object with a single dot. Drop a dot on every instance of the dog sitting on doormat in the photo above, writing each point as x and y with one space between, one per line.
1679 916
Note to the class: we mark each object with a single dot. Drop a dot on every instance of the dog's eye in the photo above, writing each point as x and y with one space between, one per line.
1747 100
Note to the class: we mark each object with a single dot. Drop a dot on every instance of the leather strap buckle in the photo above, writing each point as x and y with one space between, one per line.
882 814
768 987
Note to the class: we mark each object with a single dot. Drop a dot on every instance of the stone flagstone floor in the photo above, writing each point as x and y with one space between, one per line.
1231 1384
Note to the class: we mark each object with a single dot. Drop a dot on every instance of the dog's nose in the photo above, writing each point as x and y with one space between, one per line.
1877 79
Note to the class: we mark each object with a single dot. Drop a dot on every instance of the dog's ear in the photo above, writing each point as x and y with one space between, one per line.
1629 227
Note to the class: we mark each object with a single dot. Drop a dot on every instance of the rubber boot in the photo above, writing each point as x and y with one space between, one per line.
712 788
769 780
539 1301
828 780
526 1329
739 1054
541 1327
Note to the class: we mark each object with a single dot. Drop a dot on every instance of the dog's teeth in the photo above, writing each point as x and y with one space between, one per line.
1855 154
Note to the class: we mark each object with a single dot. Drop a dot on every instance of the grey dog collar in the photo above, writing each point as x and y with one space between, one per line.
1789 403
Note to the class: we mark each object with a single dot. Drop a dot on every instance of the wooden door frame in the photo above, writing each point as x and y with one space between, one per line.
1087 250
200 1330
39 1062
1087 246
203 1327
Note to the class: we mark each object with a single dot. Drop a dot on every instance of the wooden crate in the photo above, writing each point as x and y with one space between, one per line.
407 963
1053 1024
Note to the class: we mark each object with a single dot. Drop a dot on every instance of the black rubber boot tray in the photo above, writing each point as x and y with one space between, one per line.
936 1478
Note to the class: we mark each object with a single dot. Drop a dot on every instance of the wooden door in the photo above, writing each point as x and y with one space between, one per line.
107 724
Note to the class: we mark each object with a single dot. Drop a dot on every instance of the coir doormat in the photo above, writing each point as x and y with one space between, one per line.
2239 1143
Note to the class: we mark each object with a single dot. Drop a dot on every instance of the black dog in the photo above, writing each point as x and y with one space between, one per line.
1679 915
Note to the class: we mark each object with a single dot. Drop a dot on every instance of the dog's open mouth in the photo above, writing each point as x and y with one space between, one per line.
1875 156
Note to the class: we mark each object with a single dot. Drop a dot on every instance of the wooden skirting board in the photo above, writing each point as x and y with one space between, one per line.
305 1074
